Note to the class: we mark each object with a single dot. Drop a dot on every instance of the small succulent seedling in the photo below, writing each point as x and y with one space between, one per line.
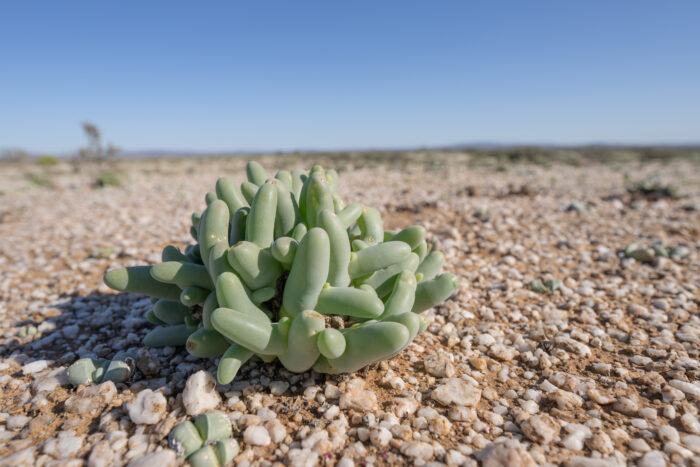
647 254
207 442
95 370
275 263
551 285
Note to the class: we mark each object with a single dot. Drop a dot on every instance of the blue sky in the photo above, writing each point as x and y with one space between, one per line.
270 75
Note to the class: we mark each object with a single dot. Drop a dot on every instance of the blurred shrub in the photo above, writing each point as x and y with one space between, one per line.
40 179
48 161
652 188
107 179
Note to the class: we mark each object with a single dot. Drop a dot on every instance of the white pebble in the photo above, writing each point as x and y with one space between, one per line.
278 388
256 435
690 423
458 392
16 422
200 393
380 437
34 367
652 459
147 408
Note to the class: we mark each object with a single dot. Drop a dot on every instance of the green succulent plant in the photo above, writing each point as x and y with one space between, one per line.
96 370
207 442
282 268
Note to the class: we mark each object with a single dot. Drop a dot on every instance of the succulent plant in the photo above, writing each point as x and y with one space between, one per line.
207 442
96 370
282 268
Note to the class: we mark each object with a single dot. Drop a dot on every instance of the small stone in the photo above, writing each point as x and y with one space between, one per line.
668 433
200 393
16 422
162 458
276 430
626 406
689 389
102 455
380 437
692 442
277 388
331 391
566 400
652 459
404 406
690 423
91 399
301 458
458 392
147 363
670 394
580 461
70 332
640 423
417 450
485 340
508 453
64 447
600 442
639 445
34 367
20 458
502 352
256 435
577 436
438 364
356 398
649 413
674 450
455 457
440 425
599 397
317 441
540 428
148 407
50 381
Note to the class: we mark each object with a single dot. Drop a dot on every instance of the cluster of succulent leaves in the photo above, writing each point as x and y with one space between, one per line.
207 442
97 370
550 285
282 268
646 254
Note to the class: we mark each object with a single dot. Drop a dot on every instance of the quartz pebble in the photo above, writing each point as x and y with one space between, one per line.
506 453
162 458
540 428
16 422
417 450
357 398
652 459
458 392
34 367
147 408
200 394
256 435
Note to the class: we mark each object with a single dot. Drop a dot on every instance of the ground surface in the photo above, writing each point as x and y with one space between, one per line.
605 368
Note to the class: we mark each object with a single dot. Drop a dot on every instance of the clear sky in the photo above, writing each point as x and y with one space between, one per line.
268 75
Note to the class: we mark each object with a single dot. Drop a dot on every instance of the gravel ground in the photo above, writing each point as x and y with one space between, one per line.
603 371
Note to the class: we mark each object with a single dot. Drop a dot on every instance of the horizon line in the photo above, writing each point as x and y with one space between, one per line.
445 147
